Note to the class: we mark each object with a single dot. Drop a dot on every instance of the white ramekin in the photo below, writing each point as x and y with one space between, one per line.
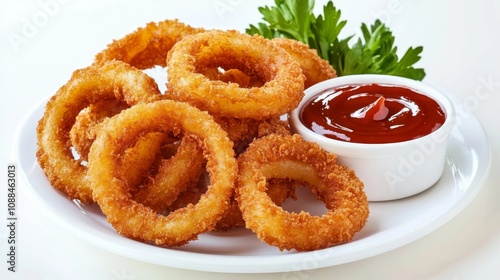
391 170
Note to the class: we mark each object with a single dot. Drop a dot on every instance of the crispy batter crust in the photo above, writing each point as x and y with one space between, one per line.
291 157
254 55
135 220
112 80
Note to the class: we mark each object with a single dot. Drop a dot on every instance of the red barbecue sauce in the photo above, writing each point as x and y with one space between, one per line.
372 113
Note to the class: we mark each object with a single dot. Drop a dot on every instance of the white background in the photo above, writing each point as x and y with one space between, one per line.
461 55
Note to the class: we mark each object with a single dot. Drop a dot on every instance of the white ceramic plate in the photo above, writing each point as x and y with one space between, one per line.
390 225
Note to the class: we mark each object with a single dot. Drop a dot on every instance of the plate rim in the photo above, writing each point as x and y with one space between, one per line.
251 264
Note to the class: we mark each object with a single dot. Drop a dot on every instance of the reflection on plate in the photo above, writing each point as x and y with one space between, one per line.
390 225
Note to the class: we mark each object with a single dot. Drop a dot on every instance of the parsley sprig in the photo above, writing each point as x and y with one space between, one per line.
373 53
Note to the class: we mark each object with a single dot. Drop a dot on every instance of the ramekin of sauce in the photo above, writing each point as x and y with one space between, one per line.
391 131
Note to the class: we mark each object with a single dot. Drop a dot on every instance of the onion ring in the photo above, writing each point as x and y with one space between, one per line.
134 220
112 80
313 66
291 157
155 189
253 55
147 46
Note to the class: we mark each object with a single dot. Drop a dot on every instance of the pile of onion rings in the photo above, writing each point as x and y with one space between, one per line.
167 166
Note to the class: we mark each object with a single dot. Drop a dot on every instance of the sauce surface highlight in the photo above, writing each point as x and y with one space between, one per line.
372 113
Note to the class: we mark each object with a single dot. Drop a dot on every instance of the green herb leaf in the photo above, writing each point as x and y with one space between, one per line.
289 18
374 53
326 30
